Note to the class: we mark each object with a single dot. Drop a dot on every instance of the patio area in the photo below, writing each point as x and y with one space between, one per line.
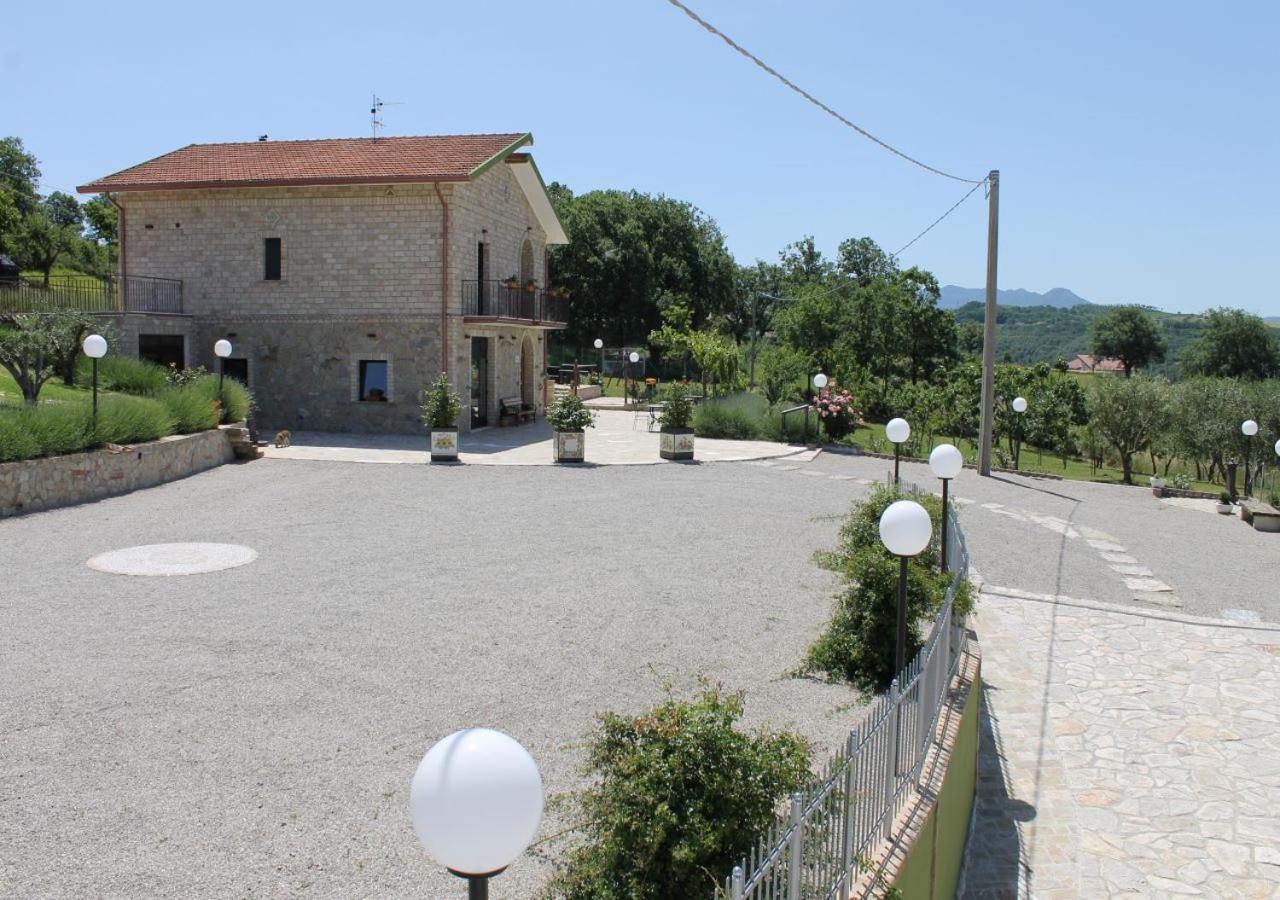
620 438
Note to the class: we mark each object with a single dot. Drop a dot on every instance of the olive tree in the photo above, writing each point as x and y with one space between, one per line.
1128 414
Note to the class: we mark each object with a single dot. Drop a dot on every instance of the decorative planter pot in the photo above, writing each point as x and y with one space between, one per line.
570 446
676 443
1225 509
444 444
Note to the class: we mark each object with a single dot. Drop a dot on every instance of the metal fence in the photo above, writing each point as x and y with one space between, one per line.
824 845
495 299
134 293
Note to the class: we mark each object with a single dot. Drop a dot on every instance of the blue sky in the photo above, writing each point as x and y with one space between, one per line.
1138 142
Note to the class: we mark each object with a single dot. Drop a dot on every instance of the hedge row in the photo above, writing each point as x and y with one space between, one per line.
50 429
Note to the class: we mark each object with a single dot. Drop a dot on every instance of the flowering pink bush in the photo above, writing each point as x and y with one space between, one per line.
836 412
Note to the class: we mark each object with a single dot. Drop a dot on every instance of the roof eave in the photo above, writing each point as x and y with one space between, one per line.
98 187
535 191
525 139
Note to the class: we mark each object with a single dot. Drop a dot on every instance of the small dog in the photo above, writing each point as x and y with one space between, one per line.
283 438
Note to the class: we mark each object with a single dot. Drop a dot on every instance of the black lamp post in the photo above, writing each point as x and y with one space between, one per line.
95 347
222 349
1019 406
1248 428
905 529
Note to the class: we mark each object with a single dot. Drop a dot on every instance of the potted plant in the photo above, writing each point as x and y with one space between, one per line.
1157 485
675 439
530 286
512 283
553 293
440 408
569 419
1224 503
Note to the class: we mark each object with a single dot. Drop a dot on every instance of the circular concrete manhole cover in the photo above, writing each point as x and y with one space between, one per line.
173 559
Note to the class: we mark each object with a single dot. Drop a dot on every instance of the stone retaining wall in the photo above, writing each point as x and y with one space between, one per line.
36 484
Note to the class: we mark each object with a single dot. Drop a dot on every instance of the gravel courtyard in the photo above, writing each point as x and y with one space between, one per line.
252 732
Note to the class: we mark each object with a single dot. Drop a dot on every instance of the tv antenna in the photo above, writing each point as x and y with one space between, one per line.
375 113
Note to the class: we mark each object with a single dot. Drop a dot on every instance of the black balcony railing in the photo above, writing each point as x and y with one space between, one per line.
133 293
494 300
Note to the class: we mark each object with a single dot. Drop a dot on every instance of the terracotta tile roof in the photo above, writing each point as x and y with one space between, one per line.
329 161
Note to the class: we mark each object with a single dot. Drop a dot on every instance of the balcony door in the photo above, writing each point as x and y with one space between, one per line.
479 382
482 279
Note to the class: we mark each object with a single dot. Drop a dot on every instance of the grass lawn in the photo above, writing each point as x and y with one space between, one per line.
872 437
53 391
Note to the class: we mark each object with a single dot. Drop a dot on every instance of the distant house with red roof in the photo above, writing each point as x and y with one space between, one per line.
346 273
1083 363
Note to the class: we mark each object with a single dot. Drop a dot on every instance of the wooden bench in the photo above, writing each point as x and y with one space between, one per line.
515 409
1262 516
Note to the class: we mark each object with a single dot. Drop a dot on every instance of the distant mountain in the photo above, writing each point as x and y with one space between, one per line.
954 297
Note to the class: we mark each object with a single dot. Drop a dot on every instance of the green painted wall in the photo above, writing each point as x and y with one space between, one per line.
932 867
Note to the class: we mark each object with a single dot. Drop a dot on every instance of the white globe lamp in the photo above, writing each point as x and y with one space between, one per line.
1019 404
599 344
222 349
476 801
95 346
898 430
634 357
820 381
1249 427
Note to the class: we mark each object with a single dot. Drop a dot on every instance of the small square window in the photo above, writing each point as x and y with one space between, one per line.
273 255
373 380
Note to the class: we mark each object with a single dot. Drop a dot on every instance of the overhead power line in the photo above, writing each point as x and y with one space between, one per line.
812 99
940 218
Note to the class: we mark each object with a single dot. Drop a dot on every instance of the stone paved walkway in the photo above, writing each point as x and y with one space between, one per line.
618 439
1125 754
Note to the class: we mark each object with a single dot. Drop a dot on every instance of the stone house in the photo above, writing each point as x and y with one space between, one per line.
345 273
1083 363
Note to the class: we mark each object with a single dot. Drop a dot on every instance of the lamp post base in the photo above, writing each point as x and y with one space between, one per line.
477 885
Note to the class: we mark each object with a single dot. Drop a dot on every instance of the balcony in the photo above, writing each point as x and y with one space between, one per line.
85 293
493 301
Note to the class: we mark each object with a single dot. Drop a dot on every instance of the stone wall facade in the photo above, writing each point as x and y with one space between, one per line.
363 277
128 327
37 484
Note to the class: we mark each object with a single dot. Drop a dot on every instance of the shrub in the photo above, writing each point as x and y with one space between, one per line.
677 411
441 404
235 400
859 643
49 429
570 414
679 795
124 374
175 376
192 407
728 420
16 439
836 413
127 420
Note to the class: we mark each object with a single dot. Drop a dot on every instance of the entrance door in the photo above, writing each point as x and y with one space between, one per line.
479 382
237 369
163 349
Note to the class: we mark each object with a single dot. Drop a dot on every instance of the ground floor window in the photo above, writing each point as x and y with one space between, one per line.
373 380
165 349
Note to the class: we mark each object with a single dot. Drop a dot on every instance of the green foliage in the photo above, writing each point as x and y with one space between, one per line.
174 376
50 429
19 174
678 796
124 374
739 417
782 371
570 414
677 411
128 420
193 406
441 404
40 242
63 210
1129 413
1129 334
859 643
101 215
835 412
33 344
628 249
1235 344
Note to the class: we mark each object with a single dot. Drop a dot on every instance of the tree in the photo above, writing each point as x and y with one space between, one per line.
802 263
784 369
626 250
32 344
19 174
1234 344
1129 334
864 261
10 220
63 210
41 242
102 216
1128 414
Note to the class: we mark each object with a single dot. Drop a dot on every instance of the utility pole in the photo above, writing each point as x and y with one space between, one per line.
989 326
